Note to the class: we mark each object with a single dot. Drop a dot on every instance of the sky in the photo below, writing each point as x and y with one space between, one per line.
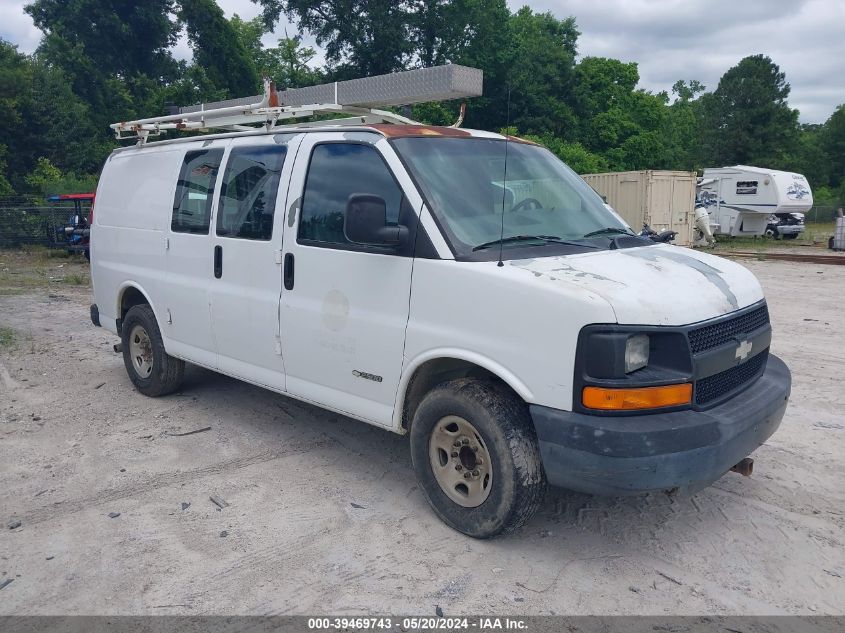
669 39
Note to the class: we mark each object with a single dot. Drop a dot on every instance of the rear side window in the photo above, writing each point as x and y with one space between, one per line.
195 191
248 192
338 170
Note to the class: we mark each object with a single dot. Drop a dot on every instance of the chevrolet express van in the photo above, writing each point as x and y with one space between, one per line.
464 288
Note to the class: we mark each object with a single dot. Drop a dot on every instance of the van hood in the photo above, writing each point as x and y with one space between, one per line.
654 285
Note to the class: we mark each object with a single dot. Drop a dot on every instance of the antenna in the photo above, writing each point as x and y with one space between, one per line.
505 178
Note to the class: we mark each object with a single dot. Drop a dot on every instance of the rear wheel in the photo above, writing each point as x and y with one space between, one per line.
151 369
475 453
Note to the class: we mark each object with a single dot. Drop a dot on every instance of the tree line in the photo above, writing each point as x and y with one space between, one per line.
100 61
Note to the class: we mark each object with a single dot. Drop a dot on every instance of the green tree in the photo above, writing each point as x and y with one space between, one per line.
120 37
485 45
615 120
541 69
747 119
41 116
15 79
109 50
287 63
438 29
811 157
5 185
360 37
62 127
218 49
47 179
601 97
527 58
833 143
601 84
683 126
573 154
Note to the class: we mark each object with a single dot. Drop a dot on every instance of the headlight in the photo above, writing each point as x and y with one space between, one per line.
636 352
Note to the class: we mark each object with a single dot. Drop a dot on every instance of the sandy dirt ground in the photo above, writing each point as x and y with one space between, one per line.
324 515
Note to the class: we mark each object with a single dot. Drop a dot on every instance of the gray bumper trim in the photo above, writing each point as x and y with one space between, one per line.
680 449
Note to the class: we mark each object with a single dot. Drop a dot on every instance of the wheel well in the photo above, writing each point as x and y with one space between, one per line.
130 298
433 372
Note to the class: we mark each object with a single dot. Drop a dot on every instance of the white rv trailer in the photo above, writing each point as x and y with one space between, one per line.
741 199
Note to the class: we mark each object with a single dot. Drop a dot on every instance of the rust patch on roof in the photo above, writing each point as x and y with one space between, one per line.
399 131
396 131
516 139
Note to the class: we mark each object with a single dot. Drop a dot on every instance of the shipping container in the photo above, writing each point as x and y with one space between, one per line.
662 199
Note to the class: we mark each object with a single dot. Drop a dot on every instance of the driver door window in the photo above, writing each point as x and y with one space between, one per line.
337 171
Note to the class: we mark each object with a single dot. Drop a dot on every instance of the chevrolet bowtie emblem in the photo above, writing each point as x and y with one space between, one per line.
743 350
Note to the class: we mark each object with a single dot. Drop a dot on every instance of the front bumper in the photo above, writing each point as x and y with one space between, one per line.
790 229
661 451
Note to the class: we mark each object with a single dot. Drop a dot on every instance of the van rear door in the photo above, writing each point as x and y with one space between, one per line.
247 238
190 256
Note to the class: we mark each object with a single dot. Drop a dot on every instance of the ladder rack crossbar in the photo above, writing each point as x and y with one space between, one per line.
239 119
360 98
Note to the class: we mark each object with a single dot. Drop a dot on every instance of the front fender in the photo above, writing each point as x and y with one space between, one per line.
456 353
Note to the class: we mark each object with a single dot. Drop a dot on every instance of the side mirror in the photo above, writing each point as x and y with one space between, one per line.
366 222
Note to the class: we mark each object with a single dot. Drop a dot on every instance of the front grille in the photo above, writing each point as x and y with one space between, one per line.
715 386
710 336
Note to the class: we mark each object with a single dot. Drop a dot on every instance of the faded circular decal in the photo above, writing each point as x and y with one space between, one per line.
335 310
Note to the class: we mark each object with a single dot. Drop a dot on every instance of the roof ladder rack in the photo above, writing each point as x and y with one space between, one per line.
360 99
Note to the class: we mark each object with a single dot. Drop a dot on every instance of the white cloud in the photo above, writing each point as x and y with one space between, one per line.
682 39
669 39
17 27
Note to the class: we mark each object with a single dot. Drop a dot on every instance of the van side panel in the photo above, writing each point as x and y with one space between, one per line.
134 201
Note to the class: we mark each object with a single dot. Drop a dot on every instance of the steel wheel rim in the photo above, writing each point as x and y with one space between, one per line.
141 351
460 461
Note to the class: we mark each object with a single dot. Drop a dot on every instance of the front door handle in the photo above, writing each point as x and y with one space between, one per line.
288 273
218 261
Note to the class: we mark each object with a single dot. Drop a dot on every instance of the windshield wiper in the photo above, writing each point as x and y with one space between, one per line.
552 239
610 229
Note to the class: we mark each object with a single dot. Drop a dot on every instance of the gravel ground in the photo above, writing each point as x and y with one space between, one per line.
322 514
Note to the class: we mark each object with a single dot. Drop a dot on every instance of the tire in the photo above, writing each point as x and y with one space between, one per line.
506 481
152 370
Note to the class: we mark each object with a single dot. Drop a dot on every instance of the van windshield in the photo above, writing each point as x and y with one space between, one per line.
465 183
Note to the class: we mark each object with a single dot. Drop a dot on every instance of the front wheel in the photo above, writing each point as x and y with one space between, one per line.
152 370
476 456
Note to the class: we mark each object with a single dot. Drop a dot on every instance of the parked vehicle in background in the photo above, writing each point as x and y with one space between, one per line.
75 234
741 199
665 236
785 225
460 286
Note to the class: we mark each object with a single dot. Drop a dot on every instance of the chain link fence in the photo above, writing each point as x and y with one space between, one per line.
822 214
24 222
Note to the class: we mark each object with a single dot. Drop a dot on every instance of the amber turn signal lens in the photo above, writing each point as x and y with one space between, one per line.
634 399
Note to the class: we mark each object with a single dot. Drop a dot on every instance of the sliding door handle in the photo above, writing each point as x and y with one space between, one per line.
288 273
218 261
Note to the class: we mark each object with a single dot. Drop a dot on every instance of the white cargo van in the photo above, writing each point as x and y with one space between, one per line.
464 288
